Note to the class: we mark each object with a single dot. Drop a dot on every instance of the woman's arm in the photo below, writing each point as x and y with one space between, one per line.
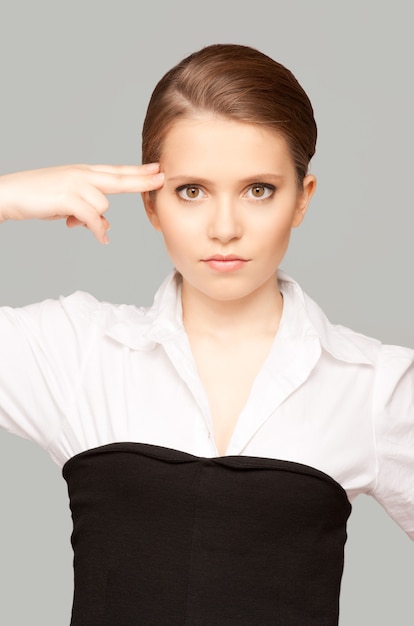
42 346
76 193
393 403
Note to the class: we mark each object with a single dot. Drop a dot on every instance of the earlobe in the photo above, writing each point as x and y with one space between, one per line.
309 186
148 198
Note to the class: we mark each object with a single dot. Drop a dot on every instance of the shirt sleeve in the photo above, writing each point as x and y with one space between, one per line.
41 356
394 432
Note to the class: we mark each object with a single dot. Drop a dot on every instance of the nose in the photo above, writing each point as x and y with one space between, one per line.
225 221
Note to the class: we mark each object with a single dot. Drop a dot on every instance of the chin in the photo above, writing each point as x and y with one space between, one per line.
228 294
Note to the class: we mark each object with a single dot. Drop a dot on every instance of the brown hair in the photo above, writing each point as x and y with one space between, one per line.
235 82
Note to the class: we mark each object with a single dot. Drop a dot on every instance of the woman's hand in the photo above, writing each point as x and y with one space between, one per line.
76 193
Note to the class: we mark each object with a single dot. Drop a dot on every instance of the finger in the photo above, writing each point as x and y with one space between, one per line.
85 214
95 198
127 183
128 170
72 222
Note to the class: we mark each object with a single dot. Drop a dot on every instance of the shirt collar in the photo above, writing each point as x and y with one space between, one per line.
342 343
144 328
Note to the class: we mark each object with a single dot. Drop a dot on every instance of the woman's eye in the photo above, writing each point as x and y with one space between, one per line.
190 192
260 191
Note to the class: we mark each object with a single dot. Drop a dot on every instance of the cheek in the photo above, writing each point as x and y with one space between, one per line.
275 227
175 235
178 224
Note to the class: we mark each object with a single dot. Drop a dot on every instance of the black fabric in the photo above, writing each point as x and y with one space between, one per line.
165 538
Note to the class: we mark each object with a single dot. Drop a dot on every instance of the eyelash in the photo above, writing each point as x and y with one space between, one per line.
269 188
183 188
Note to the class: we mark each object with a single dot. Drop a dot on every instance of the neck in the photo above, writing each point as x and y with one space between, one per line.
257 313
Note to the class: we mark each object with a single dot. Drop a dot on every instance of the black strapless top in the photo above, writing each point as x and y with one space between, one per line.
165 538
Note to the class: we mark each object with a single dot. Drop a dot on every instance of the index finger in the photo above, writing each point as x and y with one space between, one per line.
133 170
119 182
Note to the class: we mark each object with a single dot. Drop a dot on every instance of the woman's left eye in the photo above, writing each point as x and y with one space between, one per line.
260 191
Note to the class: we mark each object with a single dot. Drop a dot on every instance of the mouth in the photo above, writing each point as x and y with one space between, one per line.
225 258
225 262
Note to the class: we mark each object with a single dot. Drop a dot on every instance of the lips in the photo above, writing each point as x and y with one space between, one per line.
225 262
225 258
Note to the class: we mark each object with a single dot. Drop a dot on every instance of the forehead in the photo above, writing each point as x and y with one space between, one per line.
207 142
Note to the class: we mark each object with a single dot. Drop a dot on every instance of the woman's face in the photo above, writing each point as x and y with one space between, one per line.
228 205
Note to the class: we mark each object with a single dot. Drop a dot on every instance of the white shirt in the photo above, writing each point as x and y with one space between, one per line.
77 373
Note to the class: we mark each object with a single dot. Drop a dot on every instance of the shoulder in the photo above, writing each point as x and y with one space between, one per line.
340 341
83 317
85 306
76 319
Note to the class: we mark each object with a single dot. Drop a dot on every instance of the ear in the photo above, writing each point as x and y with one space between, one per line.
149 200
304 198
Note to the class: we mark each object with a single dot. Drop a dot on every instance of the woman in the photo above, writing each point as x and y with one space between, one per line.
212 444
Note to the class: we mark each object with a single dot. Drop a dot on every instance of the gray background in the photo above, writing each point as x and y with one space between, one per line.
75 81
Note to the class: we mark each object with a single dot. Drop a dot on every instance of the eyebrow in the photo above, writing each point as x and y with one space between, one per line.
254 178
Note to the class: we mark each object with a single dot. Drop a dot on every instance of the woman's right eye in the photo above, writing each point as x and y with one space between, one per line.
190 192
